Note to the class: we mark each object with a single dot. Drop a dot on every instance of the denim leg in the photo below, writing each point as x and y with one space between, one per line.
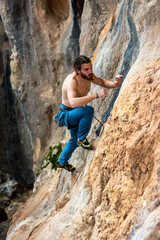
85 122
82 117
70 147
79 119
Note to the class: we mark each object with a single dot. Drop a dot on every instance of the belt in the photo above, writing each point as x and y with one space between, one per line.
63 108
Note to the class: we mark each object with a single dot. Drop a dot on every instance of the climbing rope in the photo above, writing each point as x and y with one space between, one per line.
41 224
102 124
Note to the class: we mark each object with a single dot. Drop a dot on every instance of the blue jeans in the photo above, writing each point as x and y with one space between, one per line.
78 120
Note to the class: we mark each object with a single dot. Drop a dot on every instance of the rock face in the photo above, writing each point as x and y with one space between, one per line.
116 195
43 37
13 157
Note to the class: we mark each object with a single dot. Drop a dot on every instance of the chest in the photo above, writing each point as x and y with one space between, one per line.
83 88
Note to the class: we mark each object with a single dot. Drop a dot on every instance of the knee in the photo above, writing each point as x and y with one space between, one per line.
90 110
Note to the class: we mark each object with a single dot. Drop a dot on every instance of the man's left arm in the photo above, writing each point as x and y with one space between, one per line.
106 83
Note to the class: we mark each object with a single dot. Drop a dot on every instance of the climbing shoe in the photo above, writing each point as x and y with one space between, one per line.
84 144
66 166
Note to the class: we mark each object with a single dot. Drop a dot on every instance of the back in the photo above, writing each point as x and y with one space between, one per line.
65 87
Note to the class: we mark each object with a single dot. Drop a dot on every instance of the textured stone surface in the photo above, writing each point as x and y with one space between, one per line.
13 159
117 193
94 17
12 195
118 189
40 34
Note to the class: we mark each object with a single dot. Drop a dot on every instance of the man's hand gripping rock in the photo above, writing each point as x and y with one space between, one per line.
105 92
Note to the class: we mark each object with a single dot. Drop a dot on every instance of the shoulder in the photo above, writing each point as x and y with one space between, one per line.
70 82
69 79
73 79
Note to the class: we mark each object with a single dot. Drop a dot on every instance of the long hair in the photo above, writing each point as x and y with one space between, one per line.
79 61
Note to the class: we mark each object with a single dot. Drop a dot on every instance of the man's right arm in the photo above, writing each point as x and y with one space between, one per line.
76 101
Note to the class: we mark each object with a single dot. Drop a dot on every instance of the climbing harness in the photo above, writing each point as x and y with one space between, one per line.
41 224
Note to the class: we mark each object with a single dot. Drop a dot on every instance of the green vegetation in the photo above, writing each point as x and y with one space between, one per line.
52 157
58 83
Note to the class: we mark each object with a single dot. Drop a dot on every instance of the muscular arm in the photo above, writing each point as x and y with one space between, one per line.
106 83
76 101
76 98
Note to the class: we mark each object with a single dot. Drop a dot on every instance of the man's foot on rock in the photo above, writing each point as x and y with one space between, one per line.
84 144
67 166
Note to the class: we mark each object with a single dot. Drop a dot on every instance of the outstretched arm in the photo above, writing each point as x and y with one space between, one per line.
106 83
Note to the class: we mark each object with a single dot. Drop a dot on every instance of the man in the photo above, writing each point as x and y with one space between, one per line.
74 113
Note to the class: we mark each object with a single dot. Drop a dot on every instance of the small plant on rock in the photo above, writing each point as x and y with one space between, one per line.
52 157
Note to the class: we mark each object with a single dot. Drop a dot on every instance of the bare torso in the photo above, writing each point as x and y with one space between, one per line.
77 85
79 88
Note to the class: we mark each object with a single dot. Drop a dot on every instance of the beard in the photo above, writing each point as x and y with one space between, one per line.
89 77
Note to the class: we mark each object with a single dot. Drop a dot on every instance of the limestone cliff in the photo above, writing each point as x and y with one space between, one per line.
116 195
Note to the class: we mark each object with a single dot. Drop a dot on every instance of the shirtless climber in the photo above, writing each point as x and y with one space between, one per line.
74 112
